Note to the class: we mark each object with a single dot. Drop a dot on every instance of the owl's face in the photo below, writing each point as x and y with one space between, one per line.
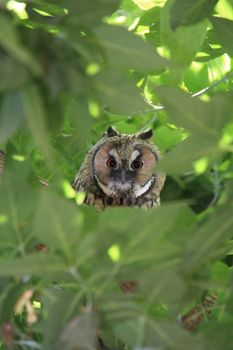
123 165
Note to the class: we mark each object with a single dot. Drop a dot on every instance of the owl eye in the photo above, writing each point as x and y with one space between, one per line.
137 164
111 162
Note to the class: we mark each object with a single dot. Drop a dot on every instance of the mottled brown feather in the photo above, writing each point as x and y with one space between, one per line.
97 180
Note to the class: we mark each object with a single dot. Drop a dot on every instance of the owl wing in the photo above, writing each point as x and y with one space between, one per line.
83 183
158 185
77 183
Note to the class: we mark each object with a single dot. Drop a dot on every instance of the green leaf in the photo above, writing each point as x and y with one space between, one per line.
80 332
89 13
151 16
126 49
140 236
38 264
18 201
50 7
36 118
208 240
178 42
13 74
12 115
9 300
202 118
10 41
119 94
66 327
223 29
56 223
221 274
165 137
186 12
180 159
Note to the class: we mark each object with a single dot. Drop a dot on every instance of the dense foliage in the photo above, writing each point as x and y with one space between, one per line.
69 69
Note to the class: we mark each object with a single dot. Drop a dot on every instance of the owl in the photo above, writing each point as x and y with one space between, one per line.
120 171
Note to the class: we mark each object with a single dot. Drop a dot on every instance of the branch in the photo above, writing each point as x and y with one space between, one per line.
212 86
227 76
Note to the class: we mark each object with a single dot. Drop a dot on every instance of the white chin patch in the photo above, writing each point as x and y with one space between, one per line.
120 187
113 188
140 190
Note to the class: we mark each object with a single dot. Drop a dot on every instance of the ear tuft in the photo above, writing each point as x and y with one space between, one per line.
145 135
111 132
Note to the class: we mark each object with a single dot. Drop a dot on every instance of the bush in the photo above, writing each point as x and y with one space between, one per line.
68 70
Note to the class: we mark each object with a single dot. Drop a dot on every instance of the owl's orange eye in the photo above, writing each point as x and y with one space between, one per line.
137 164
111 163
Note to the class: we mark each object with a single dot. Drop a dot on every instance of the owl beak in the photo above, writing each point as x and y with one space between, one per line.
123 176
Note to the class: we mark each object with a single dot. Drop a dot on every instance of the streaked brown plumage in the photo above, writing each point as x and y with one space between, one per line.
119 170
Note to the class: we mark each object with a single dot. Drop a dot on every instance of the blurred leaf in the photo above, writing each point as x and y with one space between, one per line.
224 31
151 16
166 137
119 94
82 120
9 300
56 223
38 264
50 7
163 285
180 159
10 41
128 50
12 115
203 118
145 5
178 42
17 203
186 12
80 332
13 74
221 274
90 13
36 118
139 235
208 240
66 327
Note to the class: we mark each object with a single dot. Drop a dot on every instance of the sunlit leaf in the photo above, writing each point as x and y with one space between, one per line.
224 31
119 94
178 42
126 49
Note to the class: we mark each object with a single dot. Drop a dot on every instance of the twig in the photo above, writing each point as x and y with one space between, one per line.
159 108
29 343
45 183
212 86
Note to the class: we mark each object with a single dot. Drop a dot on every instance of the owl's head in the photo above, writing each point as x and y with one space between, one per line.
123 165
